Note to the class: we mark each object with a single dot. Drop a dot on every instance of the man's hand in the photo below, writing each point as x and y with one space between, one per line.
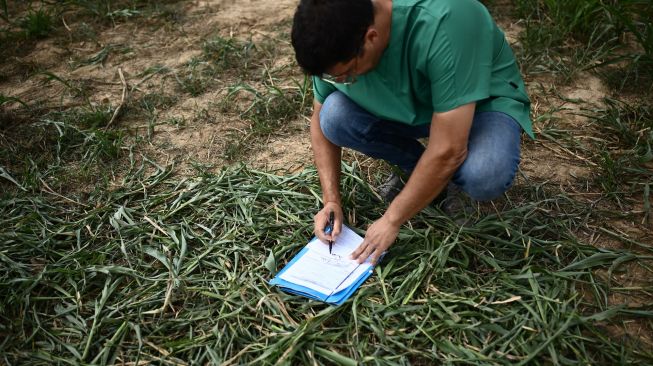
379 237
321 220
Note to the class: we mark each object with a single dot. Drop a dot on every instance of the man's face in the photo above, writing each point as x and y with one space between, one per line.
343 72
347 72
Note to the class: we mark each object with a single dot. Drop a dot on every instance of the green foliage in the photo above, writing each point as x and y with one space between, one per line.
629 127
112 11
612 173
93 117
107 9
637 74
37 23
5 13
637 18
99 8
221 58
229 53
123 13
561 19
103 146
269 108
153 102
626 147
78 136
64 147
162 264
196 78
269 111
157 269
568 36
97 58
4 99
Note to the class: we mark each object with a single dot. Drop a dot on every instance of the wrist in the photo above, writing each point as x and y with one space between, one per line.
392 219
332 200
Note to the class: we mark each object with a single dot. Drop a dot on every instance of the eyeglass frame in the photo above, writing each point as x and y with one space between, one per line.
348 77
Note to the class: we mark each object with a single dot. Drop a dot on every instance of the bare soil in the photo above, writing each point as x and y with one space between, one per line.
173 45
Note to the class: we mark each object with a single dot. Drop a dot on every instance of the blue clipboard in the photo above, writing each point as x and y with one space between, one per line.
334 299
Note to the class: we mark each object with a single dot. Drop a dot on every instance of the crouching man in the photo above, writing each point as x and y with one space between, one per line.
389 72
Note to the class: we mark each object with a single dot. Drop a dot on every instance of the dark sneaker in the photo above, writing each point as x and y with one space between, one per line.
389 189
459 206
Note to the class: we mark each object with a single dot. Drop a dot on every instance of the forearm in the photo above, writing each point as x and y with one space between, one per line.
430 177
327 159
446 151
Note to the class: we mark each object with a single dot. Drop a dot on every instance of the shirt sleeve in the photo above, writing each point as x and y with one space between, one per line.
459 61
321 89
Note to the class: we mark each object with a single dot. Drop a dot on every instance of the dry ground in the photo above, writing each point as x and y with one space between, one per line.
201 138
171 45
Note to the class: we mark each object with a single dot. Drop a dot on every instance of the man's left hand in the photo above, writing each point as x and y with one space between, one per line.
379 237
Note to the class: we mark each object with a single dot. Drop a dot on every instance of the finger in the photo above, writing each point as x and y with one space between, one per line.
337 228
359 250
318 230
375 256
325 238
329 230
366 253
320 222
321 218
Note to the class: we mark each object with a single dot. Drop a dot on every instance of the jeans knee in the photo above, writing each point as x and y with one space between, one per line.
485 182
333 115
344 123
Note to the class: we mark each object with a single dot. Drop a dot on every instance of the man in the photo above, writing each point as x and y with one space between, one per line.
388 72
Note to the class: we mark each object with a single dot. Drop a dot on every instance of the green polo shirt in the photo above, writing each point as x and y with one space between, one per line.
442 54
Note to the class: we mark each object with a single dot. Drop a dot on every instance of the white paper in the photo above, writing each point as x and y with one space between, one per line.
356 274
344 245
328 273
319 272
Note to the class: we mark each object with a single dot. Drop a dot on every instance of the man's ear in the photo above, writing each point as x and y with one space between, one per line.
372 35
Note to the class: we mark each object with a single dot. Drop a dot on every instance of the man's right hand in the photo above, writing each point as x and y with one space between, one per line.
321 221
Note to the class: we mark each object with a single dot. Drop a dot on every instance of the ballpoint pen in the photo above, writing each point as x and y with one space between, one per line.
329 229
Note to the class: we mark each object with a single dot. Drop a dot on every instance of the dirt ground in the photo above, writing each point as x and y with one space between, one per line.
201 138
198 140
170 46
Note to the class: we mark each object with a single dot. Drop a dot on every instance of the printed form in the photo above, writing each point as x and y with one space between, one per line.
328 273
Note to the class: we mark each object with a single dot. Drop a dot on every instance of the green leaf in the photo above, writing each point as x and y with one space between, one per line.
5 15
159 256
4 174
335 357
596 260
6 99
271 263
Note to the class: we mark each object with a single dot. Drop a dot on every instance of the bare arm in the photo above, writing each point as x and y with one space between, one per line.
327 159
446 151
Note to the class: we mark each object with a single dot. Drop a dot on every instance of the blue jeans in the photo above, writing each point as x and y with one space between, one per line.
492 150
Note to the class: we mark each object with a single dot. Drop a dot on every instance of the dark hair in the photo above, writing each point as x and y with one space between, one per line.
326 32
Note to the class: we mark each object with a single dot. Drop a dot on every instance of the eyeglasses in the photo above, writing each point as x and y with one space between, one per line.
346 78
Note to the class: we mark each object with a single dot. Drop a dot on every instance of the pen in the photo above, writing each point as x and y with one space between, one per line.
330 229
